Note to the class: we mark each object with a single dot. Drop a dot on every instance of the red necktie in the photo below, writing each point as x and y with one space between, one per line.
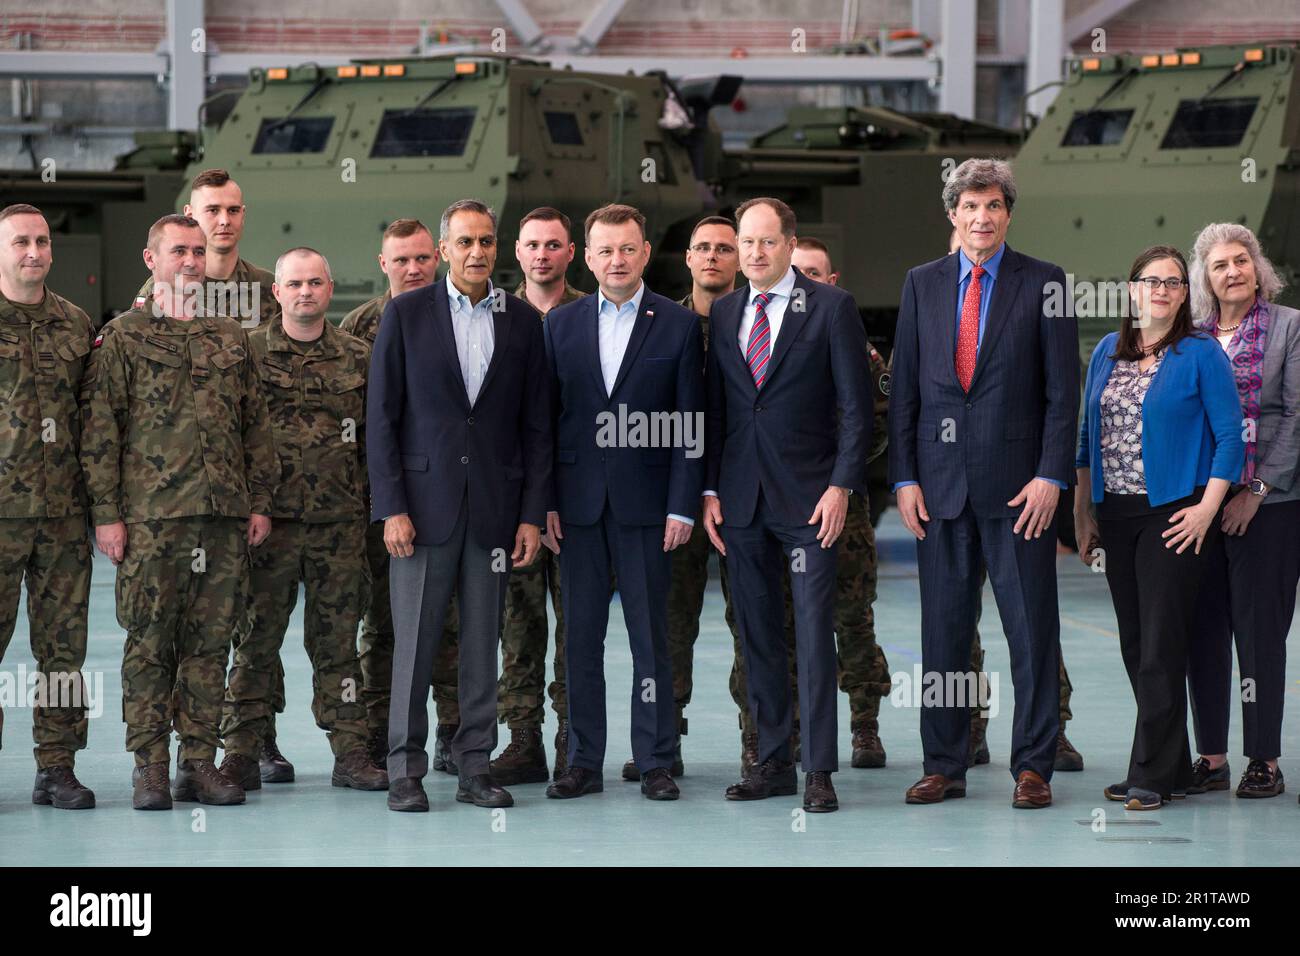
968 334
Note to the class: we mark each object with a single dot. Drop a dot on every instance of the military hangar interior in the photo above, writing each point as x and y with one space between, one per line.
848 111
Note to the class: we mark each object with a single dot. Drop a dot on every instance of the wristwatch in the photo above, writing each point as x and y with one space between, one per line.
1257 487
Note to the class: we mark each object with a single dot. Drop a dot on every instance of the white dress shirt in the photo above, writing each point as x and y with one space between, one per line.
475 336
775 309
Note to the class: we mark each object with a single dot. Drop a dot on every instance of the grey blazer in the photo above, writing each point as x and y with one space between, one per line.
1277 451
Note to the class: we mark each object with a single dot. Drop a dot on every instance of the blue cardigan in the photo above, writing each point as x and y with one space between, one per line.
1191 420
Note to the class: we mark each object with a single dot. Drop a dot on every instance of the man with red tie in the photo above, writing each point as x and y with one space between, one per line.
982 414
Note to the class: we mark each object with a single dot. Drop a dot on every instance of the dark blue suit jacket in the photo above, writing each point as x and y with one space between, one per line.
1018 420
809 426
427 447
662 371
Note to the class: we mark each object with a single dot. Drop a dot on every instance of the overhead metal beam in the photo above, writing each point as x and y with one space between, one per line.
595 27
520 21
957 50
1046 51
1082 24
186 46
808 68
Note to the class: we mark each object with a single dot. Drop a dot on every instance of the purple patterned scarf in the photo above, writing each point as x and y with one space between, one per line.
1246 354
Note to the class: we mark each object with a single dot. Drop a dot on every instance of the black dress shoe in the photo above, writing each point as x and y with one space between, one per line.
658 785
576 782
772 778
1260 781
819 793
482 792
1204 779
631 774
406 794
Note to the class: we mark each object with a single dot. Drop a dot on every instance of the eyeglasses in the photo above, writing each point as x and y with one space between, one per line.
704 248
1154 282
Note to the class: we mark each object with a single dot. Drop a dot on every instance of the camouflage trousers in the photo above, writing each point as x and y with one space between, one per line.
181 586
53 554
376 646
978 724
863 671
524 632
328 560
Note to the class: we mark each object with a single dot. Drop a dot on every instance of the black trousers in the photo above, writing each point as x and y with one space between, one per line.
1154 590
635 554
950 560
1249 594
755 555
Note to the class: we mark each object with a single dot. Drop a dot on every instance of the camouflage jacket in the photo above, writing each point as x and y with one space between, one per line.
43 359
174 421
363 321
246 295
317 403
570 295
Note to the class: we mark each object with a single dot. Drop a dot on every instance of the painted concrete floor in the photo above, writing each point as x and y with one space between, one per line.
309 822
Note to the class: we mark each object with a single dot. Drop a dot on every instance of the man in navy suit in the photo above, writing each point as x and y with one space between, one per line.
459 447
627 387
789 427
982 415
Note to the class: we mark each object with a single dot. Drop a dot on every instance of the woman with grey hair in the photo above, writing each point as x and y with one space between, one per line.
1250 592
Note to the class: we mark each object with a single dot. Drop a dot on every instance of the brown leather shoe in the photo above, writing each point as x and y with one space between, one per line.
935 788
1032 792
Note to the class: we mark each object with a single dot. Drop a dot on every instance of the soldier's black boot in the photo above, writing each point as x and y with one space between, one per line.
241 770
272 765
561 749
377 746
977 751
1067 758
442 758
523 760
868 751
201 781
59 787
355 770
151 790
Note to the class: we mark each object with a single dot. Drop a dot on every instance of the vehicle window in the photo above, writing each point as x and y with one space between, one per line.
1210 123
563 128
441 132
1097 128
294 135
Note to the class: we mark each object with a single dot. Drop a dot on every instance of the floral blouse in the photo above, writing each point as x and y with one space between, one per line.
1121 427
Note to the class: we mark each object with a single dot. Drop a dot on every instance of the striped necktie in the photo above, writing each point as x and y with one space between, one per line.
757 351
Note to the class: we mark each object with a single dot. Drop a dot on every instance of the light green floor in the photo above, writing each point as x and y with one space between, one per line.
309 822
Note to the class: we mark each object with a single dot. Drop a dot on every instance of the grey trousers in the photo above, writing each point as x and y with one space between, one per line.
419 588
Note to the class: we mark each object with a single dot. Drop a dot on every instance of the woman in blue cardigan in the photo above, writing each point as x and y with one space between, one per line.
1159 446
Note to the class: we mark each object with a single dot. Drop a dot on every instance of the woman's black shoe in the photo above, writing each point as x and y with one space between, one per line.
1204 779
1260 781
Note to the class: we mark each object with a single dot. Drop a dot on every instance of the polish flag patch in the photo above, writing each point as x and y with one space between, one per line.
99 340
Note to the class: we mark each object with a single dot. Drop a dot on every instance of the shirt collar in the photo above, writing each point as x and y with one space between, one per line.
964 265
459 300
783 287
634 302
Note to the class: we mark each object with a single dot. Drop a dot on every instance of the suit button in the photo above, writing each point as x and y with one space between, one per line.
758 408
969 405
464 460
470 420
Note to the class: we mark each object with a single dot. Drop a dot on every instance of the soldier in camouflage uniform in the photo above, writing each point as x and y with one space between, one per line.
231 286
408 257
313 377
544 251
180 469
44 346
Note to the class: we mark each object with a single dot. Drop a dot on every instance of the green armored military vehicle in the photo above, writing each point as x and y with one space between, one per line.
1145 149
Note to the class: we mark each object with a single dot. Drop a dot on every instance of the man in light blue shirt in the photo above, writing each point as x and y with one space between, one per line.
627 370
